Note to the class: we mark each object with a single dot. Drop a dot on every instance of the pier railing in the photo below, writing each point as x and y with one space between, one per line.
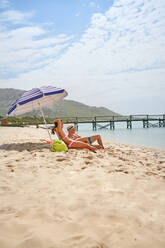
109 121
106 121
89 119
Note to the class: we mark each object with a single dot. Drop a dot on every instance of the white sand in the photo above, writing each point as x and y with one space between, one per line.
115 198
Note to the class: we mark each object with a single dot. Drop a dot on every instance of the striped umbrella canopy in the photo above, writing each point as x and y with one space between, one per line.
36 99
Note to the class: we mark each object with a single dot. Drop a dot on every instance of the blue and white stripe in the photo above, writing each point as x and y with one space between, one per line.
36 98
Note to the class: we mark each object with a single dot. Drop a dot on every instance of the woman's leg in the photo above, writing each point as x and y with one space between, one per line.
93 139
81 145
83 139
98 139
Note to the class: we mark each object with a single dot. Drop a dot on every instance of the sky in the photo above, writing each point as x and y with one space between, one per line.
108 53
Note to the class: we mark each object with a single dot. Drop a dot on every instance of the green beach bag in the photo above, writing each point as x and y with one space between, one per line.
58 146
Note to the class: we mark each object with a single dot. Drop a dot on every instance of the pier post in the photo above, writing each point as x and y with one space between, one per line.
163 120
76 124
94 124
144 123
147 122
112 125
113 122
129 122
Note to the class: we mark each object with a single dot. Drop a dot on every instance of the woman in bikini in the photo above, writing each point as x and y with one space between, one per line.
89 140
71 144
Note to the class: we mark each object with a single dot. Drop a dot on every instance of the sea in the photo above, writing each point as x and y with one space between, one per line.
153 137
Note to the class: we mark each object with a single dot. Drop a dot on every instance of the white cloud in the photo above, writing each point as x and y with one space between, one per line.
4 4
15 17
94 5
28 47
119 61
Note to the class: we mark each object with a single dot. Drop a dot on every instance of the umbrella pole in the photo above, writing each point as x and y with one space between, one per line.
45 123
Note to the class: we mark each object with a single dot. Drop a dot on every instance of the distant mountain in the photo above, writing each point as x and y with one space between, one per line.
8 96
66 108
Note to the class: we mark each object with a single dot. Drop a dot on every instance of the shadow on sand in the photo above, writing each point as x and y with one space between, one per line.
24 146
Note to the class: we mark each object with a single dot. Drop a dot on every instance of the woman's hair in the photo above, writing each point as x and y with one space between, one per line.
55 124
53 132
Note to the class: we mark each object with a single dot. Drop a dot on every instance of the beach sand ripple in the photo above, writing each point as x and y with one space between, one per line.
114 198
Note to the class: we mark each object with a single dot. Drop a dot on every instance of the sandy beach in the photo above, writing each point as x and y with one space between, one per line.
114 198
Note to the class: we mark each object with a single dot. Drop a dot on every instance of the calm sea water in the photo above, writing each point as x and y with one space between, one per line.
149 137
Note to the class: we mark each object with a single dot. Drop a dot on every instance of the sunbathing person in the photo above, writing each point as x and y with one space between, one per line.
71 144
89 140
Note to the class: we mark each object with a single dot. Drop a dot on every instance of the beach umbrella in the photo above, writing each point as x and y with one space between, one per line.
37 98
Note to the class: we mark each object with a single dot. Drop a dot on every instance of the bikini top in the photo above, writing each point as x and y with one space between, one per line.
71 142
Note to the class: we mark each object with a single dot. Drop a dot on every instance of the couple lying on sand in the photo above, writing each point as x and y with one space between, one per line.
73 140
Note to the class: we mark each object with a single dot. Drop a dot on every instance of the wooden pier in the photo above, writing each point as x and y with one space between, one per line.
102 122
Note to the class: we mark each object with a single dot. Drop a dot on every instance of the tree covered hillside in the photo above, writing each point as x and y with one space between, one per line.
64 107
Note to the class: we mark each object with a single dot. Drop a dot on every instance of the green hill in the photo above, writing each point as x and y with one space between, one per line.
66 108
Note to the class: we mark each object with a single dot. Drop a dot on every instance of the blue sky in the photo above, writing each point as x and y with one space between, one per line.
71 17
103 52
